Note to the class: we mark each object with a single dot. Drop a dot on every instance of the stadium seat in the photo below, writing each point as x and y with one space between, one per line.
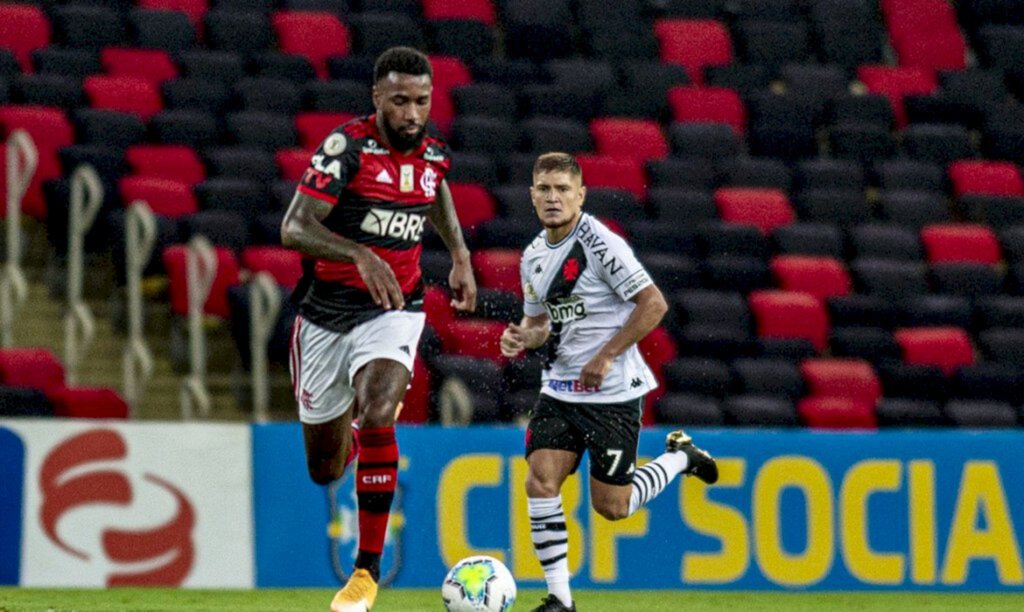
914 209
645 85
706 140
720 238
640 138
50 130
828 174
191 128
944 347
947 309
903 412
961 243
822 277
985 178
695 104
538 29
816 239
765 209
759 411
937 142
852 379
313 35
967 279
981 414
268 131
908 174
680 204
217 302
836 413
897 82
499 269
173 162
221 227
268 95
860 141
88 27
473 203
913 381
693 44
23 29
241 162
46 90
240 195
284 66
124 94
196 94
782 125
71 62
167 30
1003 344
889 278
416 402
212 65
618 172
24 402
153 65
872 344
466 39
988 381
165 197
820 81
764 172
338 96
999 311
839 43
789 314
700 376
692 173
768 377
241 31
483 99
35 368
688 409
312 128
925 34
285 265
475 338
193 9
736 273
844 207
88 402
885 241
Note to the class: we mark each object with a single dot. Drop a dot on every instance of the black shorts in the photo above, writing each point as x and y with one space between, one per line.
609 431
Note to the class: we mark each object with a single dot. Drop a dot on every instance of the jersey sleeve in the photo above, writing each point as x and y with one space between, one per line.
621 269
331 168
532 306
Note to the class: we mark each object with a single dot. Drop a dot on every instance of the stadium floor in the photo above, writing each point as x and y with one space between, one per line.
417 600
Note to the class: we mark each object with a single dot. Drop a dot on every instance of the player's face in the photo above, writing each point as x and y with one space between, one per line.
403 107
557 198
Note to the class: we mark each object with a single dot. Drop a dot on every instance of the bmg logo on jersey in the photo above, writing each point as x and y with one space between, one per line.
393 224
564 310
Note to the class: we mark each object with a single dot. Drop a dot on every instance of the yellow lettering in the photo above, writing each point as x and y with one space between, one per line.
981 492
719 521
458 478
861 481
809 477
604 534
524 562
921 495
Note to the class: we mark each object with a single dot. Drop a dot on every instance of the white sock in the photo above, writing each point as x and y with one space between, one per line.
551 543
652 478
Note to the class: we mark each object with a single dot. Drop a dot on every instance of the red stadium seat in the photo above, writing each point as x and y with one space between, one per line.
978 177
619 172
960 243
640 138
896 83
449 72
693 44
473 203
217 302
165 197
88 403
708 105
313 35
314 127
853 379
925 34
285 265
195 9
124 94
657 348
150 64
416 404
498 269
468 10
836 413
475 338
23 29
440 314
790 314
50 130
822 277
173 162
765 209
292 163
36 368
944 347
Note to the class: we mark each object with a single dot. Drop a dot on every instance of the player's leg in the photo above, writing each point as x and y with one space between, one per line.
552 454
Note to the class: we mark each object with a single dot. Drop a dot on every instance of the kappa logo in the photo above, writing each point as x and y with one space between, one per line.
84 472
385 178
636 382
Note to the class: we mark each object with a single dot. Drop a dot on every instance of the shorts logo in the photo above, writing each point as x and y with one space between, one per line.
635 383
571 269
567 309
307 399
393 224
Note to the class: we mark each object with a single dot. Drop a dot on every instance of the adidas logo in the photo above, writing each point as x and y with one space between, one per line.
385 178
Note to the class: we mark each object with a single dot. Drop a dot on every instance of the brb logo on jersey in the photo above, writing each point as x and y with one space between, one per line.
393 224
83 472
566 309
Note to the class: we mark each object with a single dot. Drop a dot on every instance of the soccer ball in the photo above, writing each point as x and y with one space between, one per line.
479 584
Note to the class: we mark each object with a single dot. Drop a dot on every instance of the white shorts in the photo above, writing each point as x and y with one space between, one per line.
324 363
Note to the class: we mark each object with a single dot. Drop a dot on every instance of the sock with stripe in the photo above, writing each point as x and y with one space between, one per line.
551 543
376 479
652 478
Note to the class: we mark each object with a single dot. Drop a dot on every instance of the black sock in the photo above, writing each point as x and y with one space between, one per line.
370 562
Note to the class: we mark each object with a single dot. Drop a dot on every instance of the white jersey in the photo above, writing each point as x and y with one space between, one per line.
584 284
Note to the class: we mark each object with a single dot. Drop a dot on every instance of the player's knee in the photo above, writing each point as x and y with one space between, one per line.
538 487
377 413
613 510
324 474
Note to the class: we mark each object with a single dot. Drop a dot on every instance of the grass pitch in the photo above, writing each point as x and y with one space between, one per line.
429 600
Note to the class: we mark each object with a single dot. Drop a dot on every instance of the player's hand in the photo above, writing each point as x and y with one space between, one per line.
512 341
593 373
380 280
463 285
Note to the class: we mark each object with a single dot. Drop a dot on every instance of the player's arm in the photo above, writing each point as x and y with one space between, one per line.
650 308
303 230
531 333
446 222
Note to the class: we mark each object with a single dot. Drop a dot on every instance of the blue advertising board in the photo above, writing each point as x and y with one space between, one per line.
12 476
914 510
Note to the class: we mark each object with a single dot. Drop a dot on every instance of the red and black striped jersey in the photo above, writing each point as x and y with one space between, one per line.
380 198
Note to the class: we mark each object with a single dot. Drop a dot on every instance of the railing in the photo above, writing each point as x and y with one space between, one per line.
200 272
264 307
79 323
137 360
21 163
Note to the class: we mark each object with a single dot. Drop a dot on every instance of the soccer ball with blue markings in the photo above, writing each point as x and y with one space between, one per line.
479 584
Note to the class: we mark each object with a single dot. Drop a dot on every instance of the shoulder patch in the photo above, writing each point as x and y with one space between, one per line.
335 144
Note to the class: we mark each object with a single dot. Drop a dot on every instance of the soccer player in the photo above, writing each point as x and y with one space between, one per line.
591 301
357 216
